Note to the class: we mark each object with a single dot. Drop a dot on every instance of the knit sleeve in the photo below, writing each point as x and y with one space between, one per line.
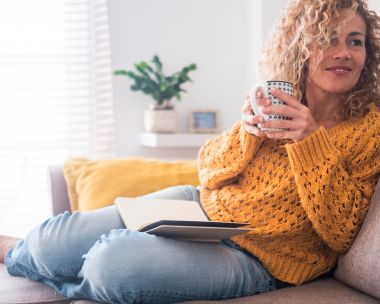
223 158
336 185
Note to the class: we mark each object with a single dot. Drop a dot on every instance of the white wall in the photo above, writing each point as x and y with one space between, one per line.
374 5
212 34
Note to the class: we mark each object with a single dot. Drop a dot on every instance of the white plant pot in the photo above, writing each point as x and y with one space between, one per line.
161 121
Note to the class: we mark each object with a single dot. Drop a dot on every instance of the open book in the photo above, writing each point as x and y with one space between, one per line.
179 219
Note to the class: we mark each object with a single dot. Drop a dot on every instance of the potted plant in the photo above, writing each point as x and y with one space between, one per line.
151 80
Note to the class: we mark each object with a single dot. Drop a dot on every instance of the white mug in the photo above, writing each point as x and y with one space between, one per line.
285 86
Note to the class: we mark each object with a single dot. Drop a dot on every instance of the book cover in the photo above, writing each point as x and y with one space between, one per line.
178 219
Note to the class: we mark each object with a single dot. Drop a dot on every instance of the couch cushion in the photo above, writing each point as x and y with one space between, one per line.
96 184
360 266
20 290
327 290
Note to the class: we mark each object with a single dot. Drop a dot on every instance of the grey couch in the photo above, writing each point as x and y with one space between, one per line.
355 281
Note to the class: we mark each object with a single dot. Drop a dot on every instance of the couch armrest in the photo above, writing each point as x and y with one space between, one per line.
58 190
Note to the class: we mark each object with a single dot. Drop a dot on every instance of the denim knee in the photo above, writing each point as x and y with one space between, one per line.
121 268
50 250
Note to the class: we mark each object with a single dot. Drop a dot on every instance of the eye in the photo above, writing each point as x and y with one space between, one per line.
356 42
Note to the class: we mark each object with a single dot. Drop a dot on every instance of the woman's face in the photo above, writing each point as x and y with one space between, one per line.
342 62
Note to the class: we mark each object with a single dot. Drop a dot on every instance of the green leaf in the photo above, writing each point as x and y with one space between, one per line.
151 80
120 72
158 63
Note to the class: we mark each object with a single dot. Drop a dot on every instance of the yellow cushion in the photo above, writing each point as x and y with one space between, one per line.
94 184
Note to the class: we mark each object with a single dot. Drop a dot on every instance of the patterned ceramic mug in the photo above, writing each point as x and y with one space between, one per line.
285 86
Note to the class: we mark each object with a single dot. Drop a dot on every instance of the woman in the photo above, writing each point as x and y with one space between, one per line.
305 191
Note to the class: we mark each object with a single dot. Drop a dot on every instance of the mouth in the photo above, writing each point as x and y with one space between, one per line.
339 69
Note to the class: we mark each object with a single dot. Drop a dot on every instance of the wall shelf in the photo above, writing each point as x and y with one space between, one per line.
178 140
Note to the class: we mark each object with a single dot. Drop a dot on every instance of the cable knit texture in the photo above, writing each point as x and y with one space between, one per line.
305 201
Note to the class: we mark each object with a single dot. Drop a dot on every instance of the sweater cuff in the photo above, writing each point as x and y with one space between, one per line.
249 142
310 151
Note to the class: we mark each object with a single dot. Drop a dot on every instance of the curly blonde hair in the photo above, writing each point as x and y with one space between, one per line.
307 22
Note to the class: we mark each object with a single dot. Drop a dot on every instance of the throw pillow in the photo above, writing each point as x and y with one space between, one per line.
95 184
360 267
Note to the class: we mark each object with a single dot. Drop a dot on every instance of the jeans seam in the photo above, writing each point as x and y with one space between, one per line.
186 296
174 295
231 244
73 269
9 262
30 273
261 290
56 273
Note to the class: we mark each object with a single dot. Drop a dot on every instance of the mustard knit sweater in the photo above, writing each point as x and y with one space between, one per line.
305 201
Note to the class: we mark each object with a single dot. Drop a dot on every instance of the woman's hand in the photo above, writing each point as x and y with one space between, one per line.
249 119
302 122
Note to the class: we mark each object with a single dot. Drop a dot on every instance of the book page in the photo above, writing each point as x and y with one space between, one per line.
138 212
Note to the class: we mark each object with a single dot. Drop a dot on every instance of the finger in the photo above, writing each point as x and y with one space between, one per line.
254 130
290 100
260 133
279 124
252 119
261 100
284 110
278 134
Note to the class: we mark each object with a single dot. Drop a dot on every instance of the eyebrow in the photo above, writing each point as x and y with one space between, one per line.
351 34
356 34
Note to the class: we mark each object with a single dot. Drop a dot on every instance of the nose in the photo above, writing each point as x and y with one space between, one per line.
342 52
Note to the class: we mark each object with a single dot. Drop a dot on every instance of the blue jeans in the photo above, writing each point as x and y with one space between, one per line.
91 255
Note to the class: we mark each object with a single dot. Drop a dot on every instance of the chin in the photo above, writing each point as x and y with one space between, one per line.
339 89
